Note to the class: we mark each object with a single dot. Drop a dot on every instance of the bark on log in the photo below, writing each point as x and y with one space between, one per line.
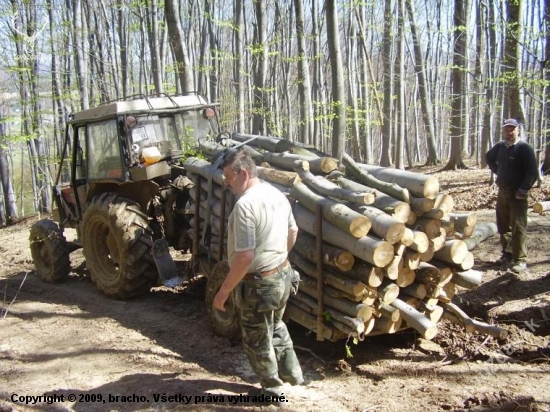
389 311
317 165
366 273
354 309
482 232
309 322
415 289
474 325
368 298
328 188
335 212
382 225
340 282
411 259
389 187
418 184
463 220
416 320
332 256
287 179
204 169
308 304
375 251
269 143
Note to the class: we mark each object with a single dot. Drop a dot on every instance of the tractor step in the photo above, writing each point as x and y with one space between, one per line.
165 264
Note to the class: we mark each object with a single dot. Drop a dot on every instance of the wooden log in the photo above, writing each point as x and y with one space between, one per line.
382 225
445 203
337 281
375 251
421 205
541 207
439 241
281 177
421 241
469 279
428 254
309 304
366 273
309 322
418 184
429 226
415 289
317 165
468 262
448 226
204 169
434 214
354 309
416 320
363 176
269 143
474 325
454 251
411 259
389 311
368 298
385 324
405 277
444 272
332 256
482 232
213 150
412 218
335 212
463 220
391 271
408 237
388 291
369 325
327 188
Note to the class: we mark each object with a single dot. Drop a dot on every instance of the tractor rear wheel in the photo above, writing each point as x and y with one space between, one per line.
49 251
116 242
226 324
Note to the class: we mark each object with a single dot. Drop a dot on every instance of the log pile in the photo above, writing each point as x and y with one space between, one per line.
379 250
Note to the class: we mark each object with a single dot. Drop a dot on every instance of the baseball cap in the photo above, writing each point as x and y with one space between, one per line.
510 122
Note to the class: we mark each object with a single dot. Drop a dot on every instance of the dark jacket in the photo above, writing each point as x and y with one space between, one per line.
515 166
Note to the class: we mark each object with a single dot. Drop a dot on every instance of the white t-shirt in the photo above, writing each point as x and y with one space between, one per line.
260 221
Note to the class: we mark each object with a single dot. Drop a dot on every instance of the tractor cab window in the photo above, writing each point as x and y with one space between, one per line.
193 127
104 159
152 131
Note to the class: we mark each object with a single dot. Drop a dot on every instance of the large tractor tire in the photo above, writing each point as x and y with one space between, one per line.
226 324
49 251
116 242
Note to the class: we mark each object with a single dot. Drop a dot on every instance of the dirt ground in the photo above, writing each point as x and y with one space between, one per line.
157 352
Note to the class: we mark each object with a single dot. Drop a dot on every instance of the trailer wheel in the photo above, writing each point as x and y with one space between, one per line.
226 324
49 251
116 242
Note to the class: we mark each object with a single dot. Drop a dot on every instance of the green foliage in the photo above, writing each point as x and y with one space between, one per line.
348 348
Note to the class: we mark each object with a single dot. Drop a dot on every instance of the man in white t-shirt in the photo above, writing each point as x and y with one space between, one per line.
261 232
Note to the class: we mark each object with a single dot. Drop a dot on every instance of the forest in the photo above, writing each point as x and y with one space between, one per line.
394 83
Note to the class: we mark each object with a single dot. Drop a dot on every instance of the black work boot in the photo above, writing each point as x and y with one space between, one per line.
505 259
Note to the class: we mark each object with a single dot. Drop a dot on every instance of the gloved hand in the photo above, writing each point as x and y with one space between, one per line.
521 194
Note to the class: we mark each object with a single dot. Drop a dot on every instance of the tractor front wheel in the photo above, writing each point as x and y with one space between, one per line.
116 242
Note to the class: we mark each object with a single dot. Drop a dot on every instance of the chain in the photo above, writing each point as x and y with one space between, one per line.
159 216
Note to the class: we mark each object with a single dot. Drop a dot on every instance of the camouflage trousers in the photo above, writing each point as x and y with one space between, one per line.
512 223
266 341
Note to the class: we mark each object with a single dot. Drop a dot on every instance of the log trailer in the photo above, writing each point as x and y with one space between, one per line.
139 180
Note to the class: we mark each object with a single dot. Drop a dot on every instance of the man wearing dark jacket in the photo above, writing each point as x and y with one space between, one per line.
513 161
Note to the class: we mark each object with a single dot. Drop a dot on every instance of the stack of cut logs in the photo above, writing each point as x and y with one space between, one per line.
379 249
